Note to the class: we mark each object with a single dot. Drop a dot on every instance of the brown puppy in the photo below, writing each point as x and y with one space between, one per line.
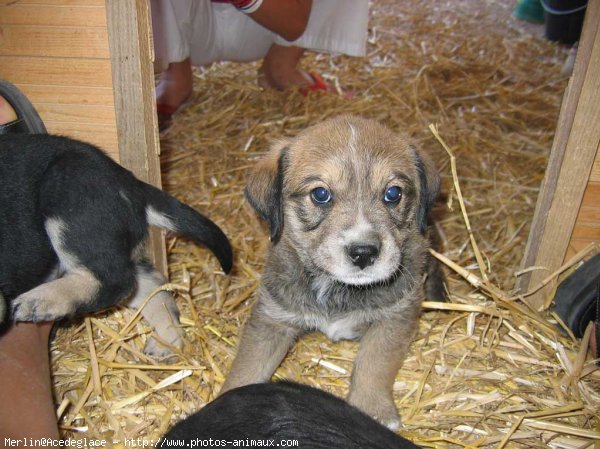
347 203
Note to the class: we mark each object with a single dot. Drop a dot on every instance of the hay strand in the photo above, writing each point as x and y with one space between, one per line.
482 269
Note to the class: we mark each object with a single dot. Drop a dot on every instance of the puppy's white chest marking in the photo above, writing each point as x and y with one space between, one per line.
344 328
341 329
347 327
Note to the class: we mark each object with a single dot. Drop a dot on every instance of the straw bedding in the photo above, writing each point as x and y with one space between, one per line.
487 372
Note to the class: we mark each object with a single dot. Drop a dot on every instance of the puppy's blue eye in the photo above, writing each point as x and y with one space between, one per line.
320 195
392 194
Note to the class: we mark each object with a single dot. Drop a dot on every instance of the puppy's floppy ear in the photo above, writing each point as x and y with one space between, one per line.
429 187
264 190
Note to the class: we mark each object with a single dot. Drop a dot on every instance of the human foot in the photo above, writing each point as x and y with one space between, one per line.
280 69
283 80
173 91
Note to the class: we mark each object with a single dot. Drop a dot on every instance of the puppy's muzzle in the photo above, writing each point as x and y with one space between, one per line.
363 255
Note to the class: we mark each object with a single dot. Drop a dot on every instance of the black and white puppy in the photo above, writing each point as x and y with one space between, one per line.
73 232
283 413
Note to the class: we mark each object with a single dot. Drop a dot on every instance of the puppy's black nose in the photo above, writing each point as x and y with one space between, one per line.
363 255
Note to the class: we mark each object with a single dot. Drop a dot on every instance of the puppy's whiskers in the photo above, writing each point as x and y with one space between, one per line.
410 279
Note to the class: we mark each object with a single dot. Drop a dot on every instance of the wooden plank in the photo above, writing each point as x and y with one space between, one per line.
56 71
576 246
591 197
51 64
595 176
587 225
77 113
565 123
573 152
589 215
130 40
101 96
54 41
587 231
54 2
78 16
104 136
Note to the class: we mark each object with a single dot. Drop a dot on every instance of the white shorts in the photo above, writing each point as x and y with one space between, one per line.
210 32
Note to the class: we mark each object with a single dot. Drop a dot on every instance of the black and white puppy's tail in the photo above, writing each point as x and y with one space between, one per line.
166 212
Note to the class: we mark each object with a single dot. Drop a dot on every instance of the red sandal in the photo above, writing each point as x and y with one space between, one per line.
165 113
318 85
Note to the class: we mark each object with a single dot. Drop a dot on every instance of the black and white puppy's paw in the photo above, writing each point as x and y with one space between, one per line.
28 307
56 299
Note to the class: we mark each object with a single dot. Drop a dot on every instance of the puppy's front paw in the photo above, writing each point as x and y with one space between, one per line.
31 308
382 409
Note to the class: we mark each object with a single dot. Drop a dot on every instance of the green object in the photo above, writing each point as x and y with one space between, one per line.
529 10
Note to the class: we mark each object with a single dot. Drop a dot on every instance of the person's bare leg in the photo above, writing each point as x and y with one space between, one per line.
27 407
175 84
25 391
7 113
280 69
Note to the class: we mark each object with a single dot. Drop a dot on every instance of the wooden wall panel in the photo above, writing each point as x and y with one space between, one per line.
570 164
576 246
592 193
589 215
57 41
595 176
587 225
51 15
57 53
83 95
586 231
59 3
103 136
77 113
56 71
